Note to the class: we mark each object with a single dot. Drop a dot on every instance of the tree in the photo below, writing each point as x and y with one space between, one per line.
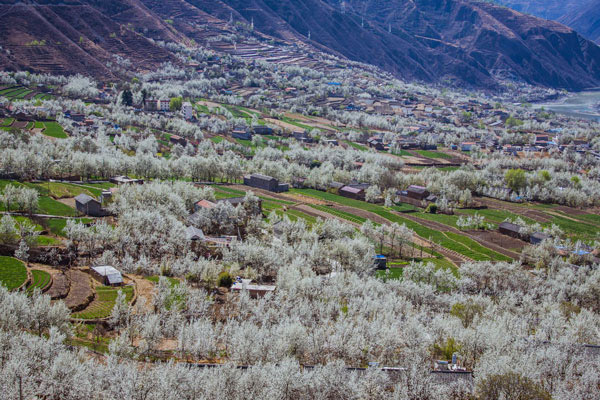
175 104
22 252
127 98
510 386
515 179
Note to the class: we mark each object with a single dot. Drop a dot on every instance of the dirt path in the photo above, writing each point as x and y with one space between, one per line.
145 290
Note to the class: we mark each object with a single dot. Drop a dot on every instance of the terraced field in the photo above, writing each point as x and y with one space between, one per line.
12 272
105 300
39 279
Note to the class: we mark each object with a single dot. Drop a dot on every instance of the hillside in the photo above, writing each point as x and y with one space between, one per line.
462 41
469 44
77 37
585 20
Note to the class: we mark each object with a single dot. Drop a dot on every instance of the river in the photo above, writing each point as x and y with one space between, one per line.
580 105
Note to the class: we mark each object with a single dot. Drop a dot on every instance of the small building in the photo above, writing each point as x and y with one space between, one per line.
417 192
332 142
125 180
262 130
175 139
510 229
204 204
255 291
192 233
107 275
380 261
302 137
241 133
352 193
187 110
467 146
538 237
163 105
89 206
265 182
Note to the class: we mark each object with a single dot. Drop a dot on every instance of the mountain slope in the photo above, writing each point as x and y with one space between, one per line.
585 20
462 41
435 40
72 37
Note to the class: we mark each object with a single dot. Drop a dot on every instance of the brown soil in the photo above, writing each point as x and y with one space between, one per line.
499 239
571 210
60 287
81 293
68 201
145 290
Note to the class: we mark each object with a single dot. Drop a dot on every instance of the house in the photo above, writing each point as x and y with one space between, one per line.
376 143
265 182
510 229
241 133
332 142
417 192
352 193
467 146
193 233
204 204
538 237
254 291
262 130
163 105
187 110
302 137
125 180
175 139
107 275
89 206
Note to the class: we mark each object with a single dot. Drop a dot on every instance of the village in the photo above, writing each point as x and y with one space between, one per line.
194 214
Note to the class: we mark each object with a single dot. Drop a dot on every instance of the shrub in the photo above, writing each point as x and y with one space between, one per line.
224 280
431 208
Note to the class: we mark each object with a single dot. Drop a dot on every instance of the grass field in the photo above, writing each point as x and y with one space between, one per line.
466 246
12 272
433 154
56 225
46 204
53 129
104 303
356 145
216 139
341 214
39 279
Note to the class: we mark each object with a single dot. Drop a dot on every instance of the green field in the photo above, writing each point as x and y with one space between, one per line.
216 139
433 154
465 246
340 214
56 225
46 204
12 272
53 129
356 145
39 279
104 303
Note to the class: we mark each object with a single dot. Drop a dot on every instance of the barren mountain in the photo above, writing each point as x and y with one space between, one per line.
466 42
585 20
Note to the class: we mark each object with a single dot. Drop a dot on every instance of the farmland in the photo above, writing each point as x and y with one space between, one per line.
12 272
102 306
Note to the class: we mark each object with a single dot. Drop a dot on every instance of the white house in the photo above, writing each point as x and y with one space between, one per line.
187 110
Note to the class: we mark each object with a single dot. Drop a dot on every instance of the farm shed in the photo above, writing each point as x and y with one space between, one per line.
417 192
538 237
124 180
380 261
107 275
254 290
193 233
89 206
262 130
510 229
352 193
265 182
